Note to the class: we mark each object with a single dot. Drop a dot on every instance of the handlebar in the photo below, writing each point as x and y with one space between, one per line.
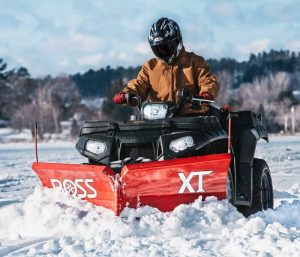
139 101
129 97
201 100
183 96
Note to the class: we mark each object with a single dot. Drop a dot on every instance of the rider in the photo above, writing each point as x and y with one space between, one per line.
161 78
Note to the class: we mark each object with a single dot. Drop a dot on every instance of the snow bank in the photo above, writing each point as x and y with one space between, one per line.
71 227
42 222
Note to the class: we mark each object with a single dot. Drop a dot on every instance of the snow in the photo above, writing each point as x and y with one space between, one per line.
93 103
42 222
9 135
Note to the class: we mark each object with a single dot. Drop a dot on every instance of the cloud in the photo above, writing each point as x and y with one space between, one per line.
294 45
73 42
223 8
69 36
254 46
205 49
63 63
123 56
84 41
286 11
142 48
223 11
90 60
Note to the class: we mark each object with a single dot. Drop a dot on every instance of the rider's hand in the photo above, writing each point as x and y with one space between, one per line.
120 98
206 96
225 109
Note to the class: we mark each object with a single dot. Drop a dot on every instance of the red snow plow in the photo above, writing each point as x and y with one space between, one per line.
163 185
162 160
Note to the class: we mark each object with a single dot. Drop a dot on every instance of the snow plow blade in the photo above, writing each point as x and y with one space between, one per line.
93 183
161 184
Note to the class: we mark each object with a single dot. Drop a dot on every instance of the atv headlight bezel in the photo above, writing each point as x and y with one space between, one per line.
181 144
95 147
155 111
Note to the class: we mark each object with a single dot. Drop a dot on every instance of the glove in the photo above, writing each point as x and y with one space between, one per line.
120 98
206 96
225 109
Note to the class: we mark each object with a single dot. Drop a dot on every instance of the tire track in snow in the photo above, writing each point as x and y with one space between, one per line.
17 249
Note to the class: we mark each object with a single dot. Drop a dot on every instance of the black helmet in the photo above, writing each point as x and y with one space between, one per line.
165 39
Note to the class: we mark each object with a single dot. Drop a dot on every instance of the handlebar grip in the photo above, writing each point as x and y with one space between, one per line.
129 97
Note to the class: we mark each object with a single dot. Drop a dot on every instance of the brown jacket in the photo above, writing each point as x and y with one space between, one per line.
159 81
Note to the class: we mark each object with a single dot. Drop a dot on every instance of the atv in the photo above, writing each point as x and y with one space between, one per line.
162 159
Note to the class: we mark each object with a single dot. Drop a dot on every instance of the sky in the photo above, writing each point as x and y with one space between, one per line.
71 36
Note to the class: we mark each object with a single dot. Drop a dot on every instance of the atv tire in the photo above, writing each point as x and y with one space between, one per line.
262 198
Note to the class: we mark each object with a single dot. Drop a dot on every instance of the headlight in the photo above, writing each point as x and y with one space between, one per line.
155 111
181 144
95 147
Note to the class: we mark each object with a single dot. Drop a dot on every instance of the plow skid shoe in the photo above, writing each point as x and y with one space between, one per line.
163 184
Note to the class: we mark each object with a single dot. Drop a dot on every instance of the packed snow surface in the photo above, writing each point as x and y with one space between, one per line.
43 222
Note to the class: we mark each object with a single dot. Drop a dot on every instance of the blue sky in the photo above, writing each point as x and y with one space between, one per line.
69 36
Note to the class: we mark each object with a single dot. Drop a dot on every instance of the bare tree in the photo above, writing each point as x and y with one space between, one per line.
61 96
263 91
17 90
225 79
297 117
54 100
262 95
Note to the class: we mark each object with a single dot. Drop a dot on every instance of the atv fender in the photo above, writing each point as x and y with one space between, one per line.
244 174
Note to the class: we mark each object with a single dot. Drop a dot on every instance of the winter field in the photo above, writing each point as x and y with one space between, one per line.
43 222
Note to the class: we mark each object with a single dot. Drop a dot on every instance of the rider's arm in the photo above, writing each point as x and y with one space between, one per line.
207 82
141 85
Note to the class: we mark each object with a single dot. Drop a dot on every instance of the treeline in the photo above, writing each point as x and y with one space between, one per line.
258 66
98 82
265 83
48 101
268 83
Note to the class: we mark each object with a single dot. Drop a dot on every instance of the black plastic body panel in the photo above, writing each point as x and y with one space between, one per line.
247 129
130 139
245 120
126 141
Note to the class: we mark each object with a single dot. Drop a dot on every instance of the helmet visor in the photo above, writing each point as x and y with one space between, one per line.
166 49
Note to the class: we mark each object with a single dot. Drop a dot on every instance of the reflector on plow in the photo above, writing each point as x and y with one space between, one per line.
162 184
